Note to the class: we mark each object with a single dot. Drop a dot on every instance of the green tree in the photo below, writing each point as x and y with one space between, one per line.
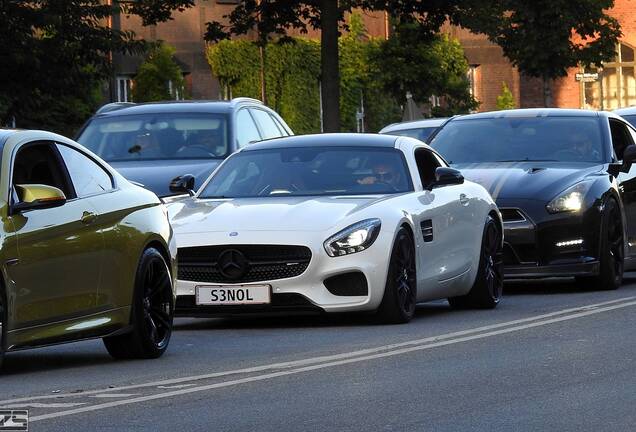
56 55
274 18
505 100
413 60
159 77
544 38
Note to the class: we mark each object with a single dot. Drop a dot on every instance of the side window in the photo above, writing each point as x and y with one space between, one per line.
40 163
88 177
246 130
621 138
282 128
427 163
265 121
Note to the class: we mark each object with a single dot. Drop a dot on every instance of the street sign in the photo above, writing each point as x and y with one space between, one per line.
587 77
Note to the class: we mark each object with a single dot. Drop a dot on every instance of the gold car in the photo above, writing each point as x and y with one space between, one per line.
84 253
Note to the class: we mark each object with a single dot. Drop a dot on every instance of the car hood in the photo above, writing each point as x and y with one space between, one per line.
156 175
266 214
527 180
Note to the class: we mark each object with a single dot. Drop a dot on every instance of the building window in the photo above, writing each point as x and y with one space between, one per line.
471 75
616 84
124 87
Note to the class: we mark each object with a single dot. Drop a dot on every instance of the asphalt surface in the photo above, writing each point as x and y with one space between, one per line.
552 356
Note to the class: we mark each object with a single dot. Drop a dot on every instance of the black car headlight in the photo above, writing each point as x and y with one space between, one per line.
571 199
354 238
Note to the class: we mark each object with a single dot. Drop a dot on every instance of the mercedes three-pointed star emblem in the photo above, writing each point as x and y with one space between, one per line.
232 264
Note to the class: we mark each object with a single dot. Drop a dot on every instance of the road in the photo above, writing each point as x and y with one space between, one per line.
553 356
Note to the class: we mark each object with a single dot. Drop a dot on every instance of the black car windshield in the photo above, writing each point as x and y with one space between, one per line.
631 119
310 171
421 134
512 139
157 136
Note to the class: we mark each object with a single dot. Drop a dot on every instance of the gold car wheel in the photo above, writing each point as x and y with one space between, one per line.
157 303
152 312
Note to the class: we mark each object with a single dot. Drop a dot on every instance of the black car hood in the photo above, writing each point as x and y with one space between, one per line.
527 180
157 174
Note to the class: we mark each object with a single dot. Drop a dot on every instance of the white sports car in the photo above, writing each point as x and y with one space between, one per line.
336 223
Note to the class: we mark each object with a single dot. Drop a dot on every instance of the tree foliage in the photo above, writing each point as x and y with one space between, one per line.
293 68
413 60
544 38
159 77
505 100
55 55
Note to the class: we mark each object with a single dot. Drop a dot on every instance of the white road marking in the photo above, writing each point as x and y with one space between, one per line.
45 405
583 312
114 395
324 359
175 386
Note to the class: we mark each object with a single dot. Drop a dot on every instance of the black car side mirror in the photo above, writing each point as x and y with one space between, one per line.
183 184
629 155
447 176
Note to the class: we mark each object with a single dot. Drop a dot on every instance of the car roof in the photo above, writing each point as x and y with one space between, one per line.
6 133
414 124
625 111
326 140
191 106
530 112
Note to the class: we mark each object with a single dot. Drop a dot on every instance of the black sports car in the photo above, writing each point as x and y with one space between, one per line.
564 182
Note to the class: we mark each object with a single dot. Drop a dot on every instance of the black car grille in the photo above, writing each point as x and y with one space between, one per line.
242 263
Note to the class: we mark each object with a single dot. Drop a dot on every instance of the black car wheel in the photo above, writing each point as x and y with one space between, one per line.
612 252
152 312
488 287
400 292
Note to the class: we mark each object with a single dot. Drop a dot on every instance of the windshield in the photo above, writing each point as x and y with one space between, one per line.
310 171
421 134
157 136
631 119
505 139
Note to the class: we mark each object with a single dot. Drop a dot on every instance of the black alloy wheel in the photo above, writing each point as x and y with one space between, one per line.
612 251
488 287
152 312
400 292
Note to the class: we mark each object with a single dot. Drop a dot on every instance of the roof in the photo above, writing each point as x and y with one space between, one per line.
414 124
193 106
625 111
531 112
6 133
326 140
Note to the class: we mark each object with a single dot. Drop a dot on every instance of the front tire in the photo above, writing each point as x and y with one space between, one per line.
152 312
400 292
488 287
612 251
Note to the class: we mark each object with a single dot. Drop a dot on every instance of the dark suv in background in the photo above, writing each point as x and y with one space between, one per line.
154 143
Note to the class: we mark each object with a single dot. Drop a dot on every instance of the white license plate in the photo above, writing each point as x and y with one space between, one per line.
232 295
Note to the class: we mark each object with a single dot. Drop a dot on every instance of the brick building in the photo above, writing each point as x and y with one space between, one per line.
615 86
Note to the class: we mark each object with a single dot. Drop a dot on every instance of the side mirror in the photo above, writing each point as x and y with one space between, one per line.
38 196
183 184
629 155
447 176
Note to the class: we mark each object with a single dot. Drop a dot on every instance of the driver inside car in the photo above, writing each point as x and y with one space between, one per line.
383 173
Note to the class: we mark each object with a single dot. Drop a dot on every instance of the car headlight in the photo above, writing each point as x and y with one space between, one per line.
354 238
571 199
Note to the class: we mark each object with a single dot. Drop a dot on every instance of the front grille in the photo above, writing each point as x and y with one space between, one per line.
260 263
512 215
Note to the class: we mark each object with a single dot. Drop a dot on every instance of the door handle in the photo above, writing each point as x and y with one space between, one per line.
88 217
464 200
